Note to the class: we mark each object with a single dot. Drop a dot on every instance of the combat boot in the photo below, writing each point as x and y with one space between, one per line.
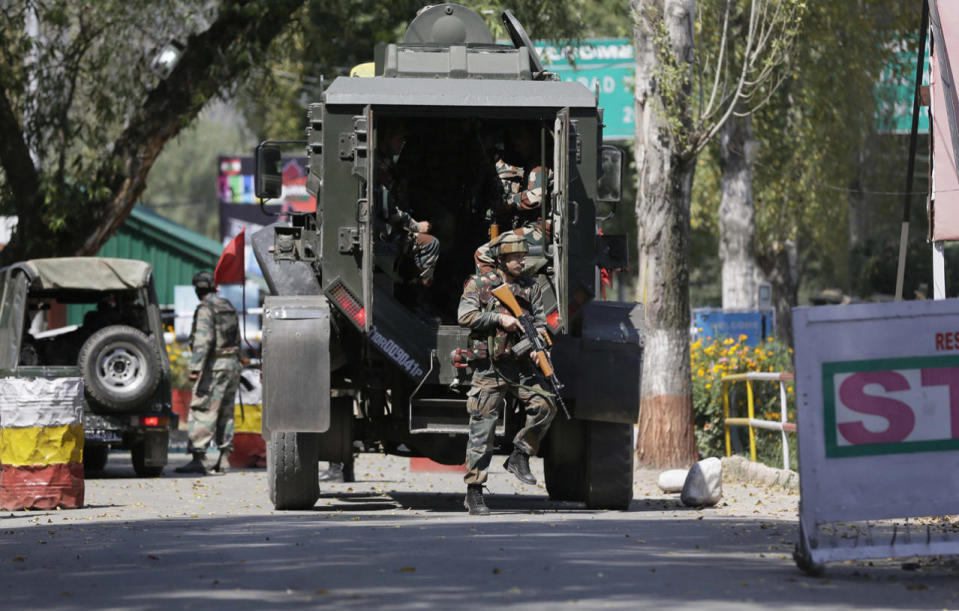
194 466
474 502
222 463
518 465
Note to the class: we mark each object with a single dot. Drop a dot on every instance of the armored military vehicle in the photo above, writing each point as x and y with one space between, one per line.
355 356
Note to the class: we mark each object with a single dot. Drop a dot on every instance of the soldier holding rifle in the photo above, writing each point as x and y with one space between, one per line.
503 365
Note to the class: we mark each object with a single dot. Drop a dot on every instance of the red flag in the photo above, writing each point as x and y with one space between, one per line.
230 269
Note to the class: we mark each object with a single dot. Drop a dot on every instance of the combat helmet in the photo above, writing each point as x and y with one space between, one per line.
203 281
508 243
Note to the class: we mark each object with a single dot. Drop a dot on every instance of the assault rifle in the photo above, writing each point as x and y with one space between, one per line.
539 344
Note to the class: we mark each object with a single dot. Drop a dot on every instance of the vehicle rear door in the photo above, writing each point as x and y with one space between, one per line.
557 212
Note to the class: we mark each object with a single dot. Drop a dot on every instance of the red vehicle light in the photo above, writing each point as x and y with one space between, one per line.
153 421
552 319
349 304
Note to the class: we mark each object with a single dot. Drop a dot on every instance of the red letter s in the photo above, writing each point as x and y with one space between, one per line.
900 416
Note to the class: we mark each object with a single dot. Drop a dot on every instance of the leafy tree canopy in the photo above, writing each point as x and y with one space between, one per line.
84 109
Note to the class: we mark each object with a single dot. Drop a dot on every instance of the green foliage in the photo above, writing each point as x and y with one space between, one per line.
818 130
329 37
182 183
84 110
741 55
713 358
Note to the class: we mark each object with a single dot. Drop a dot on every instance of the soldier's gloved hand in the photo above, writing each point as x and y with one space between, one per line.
509 323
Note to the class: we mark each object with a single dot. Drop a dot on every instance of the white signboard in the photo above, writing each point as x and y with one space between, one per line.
878 412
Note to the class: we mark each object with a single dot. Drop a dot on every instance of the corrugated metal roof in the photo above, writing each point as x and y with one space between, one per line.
489 93
175 252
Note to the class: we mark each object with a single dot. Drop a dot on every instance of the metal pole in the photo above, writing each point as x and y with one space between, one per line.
729 451
752 414
782 419
904 233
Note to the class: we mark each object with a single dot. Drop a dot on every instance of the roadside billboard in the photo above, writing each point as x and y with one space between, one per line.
239 207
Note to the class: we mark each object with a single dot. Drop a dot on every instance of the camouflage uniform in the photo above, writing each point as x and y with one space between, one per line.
215 347
422 248
520 207
498 372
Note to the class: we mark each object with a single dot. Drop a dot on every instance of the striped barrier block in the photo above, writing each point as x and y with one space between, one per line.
249 449
41 443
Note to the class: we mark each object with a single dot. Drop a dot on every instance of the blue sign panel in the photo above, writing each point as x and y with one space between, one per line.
603 64
756 326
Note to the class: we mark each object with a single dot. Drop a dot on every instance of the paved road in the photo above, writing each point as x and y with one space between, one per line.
401 540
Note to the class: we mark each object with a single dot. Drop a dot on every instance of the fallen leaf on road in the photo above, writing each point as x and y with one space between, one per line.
18 559
408 569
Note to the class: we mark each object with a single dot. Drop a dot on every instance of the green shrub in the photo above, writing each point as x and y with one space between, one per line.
714 358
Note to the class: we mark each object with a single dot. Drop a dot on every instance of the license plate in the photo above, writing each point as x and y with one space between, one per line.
103 436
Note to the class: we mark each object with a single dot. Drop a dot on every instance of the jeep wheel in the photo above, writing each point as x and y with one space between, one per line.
138 457
120 367
293 470
609 476
95 458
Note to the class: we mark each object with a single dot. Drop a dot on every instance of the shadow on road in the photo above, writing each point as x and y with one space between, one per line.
370 550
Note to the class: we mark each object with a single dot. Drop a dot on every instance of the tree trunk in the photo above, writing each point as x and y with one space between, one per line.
781 268
664 185
737 226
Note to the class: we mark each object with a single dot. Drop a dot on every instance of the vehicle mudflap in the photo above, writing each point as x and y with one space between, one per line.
296 364
602 370
156 444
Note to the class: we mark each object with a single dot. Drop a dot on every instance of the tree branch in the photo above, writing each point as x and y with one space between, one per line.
212 60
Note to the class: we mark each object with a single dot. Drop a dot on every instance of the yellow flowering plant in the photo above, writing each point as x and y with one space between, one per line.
179 365
714 358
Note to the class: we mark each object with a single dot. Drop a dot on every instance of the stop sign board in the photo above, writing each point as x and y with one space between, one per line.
878 409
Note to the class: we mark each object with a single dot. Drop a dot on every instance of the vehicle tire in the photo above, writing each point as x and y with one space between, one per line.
609 468
292 466
95 458
564 460
120 367
138 456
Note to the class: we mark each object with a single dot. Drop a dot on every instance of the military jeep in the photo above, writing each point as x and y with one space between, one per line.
115 344
351 358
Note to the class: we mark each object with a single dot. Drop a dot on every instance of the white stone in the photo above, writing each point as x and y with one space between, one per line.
672 480
704 484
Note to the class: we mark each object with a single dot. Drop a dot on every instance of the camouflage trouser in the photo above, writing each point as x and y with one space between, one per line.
211 409
425 249
531 232
485 404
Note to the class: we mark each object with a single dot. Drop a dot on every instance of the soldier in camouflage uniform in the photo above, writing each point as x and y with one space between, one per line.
413 236
522 204
215 372
519 209
498 371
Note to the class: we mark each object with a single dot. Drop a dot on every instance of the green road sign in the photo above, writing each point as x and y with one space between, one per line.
894 92
605 64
